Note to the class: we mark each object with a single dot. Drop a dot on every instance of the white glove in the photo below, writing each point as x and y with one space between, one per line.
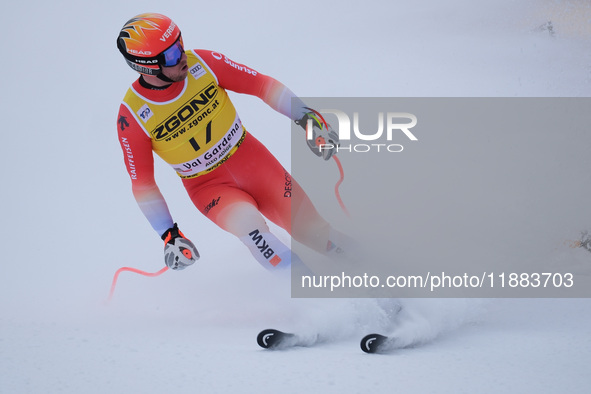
322 140
179 252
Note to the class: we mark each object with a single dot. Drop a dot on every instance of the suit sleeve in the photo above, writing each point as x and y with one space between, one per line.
242 79
139 161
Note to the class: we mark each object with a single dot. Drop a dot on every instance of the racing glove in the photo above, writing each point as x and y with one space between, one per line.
322 140
179 252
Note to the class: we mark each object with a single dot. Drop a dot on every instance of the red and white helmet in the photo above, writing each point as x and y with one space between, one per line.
150 41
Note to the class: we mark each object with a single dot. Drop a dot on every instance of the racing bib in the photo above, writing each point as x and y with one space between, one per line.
196 131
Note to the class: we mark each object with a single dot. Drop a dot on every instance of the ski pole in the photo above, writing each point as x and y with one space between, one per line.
338 184
320 141
137 271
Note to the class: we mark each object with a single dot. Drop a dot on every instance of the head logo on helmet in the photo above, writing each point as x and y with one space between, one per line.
144 38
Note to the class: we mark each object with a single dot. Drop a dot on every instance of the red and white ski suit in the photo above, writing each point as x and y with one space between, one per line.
193 126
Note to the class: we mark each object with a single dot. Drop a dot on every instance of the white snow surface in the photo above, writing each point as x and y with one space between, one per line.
70 221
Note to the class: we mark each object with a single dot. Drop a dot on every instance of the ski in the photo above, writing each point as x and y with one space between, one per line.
274 339
377 343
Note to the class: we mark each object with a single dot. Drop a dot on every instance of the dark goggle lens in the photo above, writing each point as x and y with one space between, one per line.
172 56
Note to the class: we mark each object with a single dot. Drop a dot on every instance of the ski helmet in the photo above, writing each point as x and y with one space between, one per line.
150 41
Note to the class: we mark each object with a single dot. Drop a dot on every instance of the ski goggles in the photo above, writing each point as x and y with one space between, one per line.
172 56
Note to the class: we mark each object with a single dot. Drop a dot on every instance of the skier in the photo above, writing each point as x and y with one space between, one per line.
179 108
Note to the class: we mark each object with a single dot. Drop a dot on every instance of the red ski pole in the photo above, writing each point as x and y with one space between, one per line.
137 271
336 188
